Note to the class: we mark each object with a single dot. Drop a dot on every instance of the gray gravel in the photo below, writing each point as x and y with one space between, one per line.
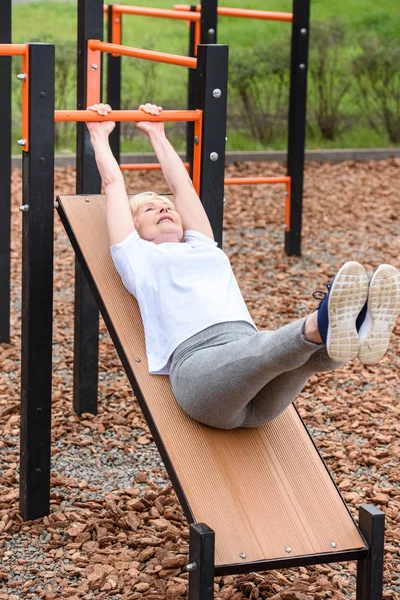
112 471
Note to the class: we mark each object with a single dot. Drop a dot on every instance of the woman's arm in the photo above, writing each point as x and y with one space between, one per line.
118 213
176 176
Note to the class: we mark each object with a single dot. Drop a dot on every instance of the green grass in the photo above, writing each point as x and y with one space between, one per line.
32 22
57 21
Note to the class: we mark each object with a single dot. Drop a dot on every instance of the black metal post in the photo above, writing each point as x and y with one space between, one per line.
371 522
208 35
208 23
5 172
201 562
90 26
297 120
114 88
212 89
37 286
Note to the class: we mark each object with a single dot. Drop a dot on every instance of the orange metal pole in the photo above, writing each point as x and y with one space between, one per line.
116 27
269 180
13 49
288 204
254 14
93 76
197 36
120 9
156 12
244 13
21 50
255 180
127 115
198 128
185 7
181 7
139 166
173 59
144 166
25 99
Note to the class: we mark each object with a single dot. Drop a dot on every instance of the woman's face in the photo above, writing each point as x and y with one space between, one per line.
158 221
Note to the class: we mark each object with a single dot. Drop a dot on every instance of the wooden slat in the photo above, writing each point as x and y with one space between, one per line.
262 490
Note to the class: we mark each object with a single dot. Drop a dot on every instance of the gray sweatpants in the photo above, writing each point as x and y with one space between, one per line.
229 375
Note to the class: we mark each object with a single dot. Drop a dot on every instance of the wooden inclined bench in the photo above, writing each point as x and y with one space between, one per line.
263 496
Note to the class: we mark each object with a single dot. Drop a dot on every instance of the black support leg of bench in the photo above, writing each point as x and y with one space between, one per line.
201 562
370 570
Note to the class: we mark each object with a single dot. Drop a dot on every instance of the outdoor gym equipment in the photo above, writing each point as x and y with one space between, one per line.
203 21
289 520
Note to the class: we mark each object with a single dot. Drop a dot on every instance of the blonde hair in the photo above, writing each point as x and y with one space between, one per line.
137 201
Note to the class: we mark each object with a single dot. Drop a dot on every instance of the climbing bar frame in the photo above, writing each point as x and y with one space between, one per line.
205 30
297 99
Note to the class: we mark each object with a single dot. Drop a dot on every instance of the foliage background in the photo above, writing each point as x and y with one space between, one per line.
353 76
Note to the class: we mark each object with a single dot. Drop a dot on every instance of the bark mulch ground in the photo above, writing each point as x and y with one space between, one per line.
116 529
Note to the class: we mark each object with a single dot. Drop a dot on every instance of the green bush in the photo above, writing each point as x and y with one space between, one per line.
259 81
330 78
353 88
377 72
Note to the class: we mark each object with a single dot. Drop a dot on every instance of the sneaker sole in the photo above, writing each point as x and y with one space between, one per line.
382 314
347 297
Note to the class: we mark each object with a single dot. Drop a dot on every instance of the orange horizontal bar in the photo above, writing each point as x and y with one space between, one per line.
156 12
116 50
255 14
126 115
144 166
244 13
13 49
255 180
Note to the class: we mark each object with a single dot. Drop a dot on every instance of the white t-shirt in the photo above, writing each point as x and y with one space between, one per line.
182 288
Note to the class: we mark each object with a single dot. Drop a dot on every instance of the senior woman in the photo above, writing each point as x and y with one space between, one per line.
224 372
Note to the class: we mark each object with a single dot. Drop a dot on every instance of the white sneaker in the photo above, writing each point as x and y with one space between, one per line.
339 309
383 309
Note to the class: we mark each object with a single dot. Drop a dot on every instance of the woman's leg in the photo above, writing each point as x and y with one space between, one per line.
279 393
220 385
215 385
